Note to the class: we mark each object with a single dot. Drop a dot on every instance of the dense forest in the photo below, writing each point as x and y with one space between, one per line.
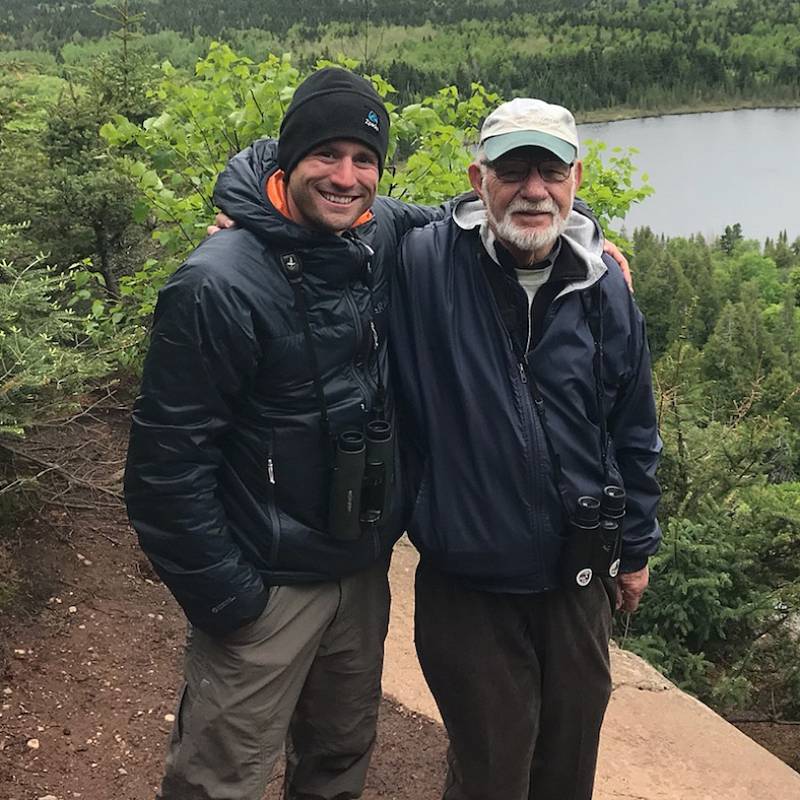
651 55
107 163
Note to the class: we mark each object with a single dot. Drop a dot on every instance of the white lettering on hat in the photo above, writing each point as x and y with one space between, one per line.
373 121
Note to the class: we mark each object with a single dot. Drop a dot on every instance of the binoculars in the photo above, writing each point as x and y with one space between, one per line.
594 538
363 475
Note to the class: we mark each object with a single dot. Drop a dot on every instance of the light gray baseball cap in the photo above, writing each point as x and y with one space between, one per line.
526 122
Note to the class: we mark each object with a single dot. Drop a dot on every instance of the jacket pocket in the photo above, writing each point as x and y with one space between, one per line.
272 503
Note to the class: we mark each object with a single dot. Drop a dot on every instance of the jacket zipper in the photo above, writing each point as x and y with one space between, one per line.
532 421
272 509
534 461
363 385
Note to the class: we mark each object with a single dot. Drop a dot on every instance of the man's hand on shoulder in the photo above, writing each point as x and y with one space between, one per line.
615 253
224 221
630 588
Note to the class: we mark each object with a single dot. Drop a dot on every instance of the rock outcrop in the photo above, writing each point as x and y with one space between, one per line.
658 742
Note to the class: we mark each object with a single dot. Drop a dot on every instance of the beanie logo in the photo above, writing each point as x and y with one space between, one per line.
372 121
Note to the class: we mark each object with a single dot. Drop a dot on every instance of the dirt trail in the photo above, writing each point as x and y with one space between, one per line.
89 684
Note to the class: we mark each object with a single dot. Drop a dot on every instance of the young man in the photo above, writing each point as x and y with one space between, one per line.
523 380
267 345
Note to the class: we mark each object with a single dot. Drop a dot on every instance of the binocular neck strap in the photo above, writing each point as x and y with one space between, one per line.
593 311
293 269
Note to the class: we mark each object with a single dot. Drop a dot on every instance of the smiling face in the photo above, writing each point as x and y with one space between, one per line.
528 194
333 185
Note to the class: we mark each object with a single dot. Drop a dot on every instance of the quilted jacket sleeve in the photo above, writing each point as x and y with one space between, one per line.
201 354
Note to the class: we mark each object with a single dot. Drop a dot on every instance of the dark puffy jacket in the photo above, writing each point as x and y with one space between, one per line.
487 507
227 479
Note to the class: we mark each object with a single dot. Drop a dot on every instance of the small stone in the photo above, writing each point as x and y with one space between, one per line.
73 610
122 771
80 557
86 562
33 744
48 797
169 718
7 691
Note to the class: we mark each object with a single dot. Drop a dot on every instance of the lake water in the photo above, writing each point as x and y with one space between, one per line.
713 170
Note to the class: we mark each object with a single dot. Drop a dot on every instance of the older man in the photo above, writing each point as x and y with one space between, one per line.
523 376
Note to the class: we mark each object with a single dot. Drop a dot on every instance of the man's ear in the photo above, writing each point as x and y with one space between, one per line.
578 174
476 178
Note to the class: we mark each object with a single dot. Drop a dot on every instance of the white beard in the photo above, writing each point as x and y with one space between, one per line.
529 241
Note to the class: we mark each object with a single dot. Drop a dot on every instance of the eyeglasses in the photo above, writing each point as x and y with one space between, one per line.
515 170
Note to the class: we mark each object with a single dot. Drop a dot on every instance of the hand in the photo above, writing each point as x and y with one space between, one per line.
224 221
616 254
630 588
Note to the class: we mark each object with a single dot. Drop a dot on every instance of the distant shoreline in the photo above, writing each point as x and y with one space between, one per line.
623 113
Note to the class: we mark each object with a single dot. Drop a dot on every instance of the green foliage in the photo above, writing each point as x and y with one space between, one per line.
175 157
436 134
229 102
723 316
609 186
721 615
44 354
652 54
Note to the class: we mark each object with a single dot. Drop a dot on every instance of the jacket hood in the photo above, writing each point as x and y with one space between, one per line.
583 234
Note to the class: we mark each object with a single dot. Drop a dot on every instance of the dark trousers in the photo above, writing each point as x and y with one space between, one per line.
522 682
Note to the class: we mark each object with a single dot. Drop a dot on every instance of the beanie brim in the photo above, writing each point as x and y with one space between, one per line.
333 104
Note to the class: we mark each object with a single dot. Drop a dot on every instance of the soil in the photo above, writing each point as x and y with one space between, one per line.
92 650
90 659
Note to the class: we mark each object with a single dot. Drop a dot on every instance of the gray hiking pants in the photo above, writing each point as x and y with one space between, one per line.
307 673
522 682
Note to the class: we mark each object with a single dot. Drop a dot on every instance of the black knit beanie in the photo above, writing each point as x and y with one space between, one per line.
332 104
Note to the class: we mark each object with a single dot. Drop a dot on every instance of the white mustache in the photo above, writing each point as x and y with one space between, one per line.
547 206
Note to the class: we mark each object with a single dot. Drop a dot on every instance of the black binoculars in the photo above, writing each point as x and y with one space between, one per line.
363 475
594 538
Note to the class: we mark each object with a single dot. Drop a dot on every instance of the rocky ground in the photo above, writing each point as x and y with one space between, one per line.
92 647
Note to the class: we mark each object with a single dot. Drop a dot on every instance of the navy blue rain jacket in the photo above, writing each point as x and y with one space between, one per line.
486 506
